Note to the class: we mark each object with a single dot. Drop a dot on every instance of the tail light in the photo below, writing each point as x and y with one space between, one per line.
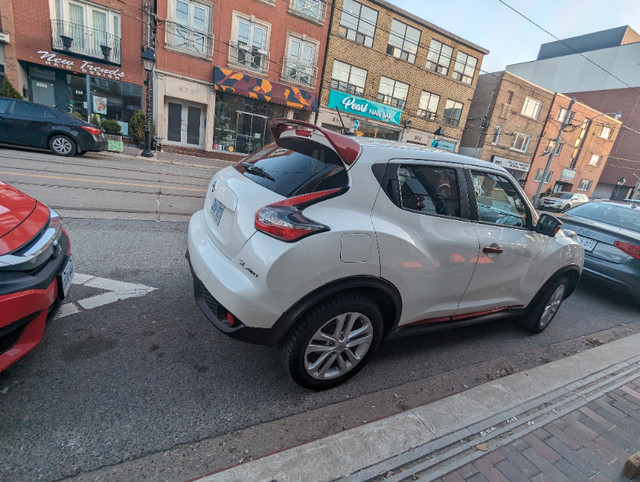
284 220
627 248
92 130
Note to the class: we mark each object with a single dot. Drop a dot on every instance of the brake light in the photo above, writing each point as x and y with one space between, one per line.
92 130
630 249
284 220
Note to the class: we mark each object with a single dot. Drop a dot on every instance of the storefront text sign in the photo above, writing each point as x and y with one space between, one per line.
364 107
80 66
511 164
444 145
567 175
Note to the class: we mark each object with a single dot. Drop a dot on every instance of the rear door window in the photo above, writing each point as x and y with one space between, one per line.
295 167
26 109
4 105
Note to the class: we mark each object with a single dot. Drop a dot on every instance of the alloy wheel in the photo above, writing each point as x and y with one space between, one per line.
552 306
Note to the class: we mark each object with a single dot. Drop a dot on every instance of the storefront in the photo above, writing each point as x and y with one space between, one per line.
517 169
82 86
244 105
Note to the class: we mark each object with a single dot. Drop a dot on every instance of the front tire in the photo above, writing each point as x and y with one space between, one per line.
546 307
333 341
62 145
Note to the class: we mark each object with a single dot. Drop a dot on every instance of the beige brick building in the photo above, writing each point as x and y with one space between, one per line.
391 74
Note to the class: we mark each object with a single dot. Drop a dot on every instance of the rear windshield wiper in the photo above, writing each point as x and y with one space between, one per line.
258 171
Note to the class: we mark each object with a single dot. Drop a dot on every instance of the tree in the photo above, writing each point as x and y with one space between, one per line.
137 125
7 90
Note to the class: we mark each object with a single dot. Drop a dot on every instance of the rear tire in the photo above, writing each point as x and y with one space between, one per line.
545 309
62 145
333 341
567 207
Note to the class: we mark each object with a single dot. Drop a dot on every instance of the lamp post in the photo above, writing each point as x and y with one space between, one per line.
148 61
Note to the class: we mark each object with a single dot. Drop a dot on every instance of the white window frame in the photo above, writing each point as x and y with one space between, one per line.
404 48
353 73
186 37
304 9
605 133
436 58
297 70
394 88
496 135
585 185
249 49
547 177
595 160
464 68
531 107
524 143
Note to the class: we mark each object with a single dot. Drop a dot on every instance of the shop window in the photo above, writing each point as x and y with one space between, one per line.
439 57
115 100
358 23
348 78
393 92
403 41
428 106
452 113
86 29
189 29
310 9
249 49
464 68
300 62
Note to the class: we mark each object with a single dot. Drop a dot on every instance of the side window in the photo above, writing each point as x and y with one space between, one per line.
498 200
428 189
4 105
29 110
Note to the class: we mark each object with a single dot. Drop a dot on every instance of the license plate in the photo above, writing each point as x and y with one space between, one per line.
217 208
66 277
588 244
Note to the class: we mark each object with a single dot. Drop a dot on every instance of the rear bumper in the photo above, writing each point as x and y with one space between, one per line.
621 277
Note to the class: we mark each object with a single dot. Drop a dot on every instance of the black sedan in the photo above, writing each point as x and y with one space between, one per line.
609 232
27 124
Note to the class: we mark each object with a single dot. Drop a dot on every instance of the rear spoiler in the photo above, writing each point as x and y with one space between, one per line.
347 148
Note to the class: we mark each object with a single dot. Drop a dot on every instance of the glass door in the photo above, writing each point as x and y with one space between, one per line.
251 130
184 124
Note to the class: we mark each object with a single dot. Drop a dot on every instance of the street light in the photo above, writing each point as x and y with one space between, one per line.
148 61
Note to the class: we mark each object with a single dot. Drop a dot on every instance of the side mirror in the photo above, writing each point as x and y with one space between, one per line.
548 225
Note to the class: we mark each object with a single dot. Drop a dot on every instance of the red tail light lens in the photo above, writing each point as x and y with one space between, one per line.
92 130
630 249
284 220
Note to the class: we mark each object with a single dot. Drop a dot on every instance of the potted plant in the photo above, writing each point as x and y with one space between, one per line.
113 132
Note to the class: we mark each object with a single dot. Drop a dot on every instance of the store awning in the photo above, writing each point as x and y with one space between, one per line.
233 82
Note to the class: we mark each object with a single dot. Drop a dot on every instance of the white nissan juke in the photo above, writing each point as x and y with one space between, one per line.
327 244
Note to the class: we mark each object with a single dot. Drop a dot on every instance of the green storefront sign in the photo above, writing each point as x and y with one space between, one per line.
366 108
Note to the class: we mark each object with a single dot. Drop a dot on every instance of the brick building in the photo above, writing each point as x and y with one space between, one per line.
391 74
579 159
506 119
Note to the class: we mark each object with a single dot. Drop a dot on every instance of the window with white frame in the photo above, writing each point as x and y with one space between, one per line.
585 185
358 22
189 28
300 63
562 113
439 57
311 9
595 160
464 68
521 142
539 174
250 44
403 41
531 108
86 28
392 92
348 78
452 113
605 133
496 135
428 106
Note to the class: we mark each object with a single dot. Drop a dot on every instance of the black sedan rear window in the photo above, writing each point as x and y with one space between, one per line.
621 216
296 166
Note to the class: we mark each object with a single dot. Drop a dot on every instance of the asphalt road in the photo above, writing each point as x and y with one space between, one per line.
147 388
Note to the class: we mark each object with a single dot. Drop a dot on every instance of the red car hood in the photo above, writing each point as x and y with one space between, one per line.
21 218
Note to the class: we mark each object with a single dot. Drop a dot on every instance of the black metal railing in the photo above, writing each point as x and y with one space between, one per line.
90 42
248 57
299 73
188 40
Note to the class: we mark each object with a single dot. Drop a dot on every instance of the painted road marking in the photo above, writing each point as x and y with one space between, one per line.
115 291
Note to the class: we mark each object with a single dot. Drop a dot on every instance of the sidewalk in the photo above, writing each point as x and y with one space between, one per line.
130 152
573 419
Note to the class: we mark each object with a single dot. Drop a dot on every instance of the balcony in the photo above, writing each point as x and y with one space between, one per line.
299 73
188 40
78 39
246 57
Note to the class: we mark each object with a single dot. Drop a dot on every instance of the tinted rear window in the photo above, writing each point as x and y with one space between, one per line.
295 167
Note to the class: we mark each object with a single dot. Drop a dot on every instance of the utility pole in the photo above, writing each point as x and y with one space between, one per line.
565 121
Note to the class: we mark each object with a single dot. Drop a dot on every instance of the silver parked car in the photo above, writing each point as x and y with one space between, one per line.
561 201
609 232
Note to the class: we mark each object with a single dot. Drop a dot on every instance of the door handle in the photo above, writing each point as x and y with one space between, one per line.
494 248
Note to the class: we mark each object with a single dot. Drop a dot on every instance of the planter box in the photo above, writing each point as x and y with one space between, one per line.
115 143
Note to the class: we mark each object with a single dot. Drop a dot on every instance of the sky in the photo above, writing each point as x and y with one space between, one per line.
512 39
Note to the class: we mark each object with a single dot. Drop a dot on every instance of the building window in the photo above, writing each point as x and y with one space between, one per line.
392 92
531 108
464 68
496 135
311 9
300 63
551 145
452 113
403 41
595 160
428 106
562 113
520 142
605 133
547 178
189 29
86 29
585 185
509 97
439 57
348 78
249 49
358 23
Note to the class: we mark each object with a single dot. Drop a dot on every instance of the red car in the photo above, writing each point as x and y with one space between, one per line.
35 271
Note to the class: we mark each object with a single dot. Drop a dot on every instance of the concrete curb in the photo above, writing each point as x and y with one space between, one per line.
353 450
